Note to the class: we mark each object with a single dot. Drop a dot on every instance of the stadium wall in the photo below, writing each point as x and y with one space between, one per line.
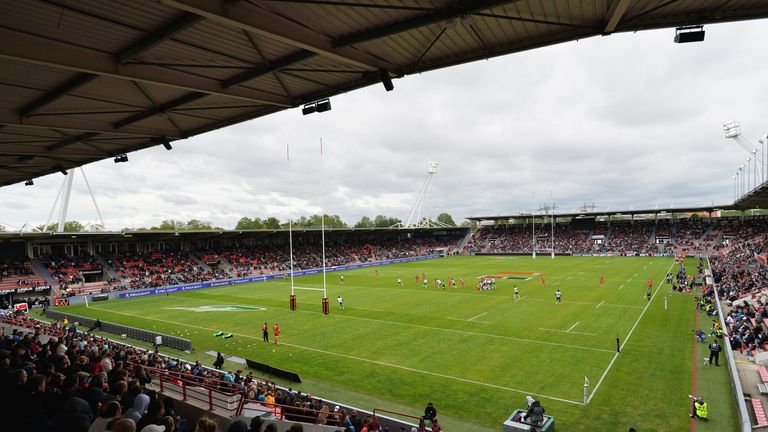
237 281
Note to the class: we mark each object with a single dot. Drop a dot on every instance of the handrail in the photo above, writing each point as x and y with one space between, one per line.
207 382
191 388
745 422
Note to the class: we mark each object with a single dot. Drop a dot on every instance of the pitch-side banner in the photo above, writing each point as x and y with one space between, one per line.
264 278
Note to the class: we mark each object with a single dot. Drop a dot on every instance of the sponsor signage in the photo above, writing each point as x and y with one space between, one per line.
263 278
20 307
22 290
91 272
100 297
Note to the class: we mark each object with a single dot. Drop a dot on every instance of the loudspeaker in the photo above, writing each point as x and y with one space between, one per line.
694 36
324 105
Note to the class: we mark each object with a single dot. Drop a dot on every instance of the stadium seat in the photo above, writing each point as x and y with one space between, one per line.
762 419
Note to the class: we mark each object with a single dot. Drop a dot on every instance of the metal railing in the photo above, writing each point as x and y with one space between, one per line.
745 422
213 393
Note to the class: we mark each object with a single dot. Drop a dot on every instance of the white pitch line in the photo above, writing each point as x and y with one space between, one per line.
626 339
635 275
465 320
369 309
590 304
432 373
402 324
577 323
555 283
622 286
563 331
601 303
569 278
484 313
366 360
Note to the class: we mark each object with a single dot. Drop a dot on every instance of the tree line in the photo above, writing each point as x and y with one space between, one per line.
256 223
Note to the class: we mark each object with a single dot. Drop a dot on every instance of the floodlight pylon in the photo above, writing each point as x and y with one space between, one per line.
414 218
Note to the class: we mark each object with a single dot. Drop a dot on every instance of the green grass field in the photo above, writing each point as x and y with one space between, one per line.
474 354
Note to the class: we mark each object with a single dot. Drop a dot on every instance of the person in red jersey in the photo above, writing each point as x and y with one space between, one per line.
276 332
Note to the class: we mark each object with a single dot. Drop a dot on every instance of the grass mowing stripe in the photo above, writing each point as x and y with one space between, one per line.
354 358
533 341
627 338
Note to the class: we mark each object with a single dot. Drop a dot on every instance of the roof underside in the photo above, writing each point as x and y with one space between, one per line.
88 80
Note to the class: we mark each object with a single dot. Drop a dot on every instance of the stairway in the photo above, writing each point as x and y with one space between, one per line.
464 242
111 273
42 270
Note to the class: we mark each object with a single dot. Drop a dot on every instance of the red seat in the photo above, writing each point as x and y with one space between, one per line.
762 419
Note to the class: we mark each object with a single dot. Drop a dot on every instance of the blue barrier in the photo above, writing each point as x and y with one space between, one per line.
263 278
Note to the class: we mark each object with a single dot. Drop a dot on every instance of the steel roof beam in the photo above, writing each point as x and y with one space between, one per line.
273 66
55 94
47 52
145 44
77 125
160 109
262 22
615 14
453 10
155 38
71 140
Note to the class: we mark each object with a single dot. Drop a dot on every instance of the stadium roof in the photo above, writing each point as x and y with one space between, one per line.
89 80
187 235
656 211
757 198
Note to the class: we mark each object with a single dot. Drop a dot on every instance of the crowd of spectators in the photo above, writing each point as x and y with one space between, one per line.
56 379
631 237
270 258
17 272
155 269
68 270
742 282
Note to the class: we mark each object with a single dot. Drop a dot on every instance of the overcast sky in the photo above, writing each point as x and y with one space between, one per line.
628 120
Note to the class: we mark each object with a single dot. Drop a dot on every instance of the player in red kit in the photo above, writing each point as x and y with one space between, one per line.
650 283
461 281
602 280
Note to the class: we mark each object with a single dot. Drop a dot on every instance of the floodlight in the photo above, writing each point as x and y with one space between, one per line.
29 183
386 80
687 34
121 158
324 105
166 144
63 171
309 108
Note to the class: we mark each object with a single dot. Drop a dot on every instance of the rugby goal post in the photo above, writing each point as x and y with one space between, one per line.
586 390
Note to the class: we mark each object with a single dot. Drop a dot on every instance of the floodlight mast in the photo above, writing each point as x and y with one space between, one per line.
414 218
732 131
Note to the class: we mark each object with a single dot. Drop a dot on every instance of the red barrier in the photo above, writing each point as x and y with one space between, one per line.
214 393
